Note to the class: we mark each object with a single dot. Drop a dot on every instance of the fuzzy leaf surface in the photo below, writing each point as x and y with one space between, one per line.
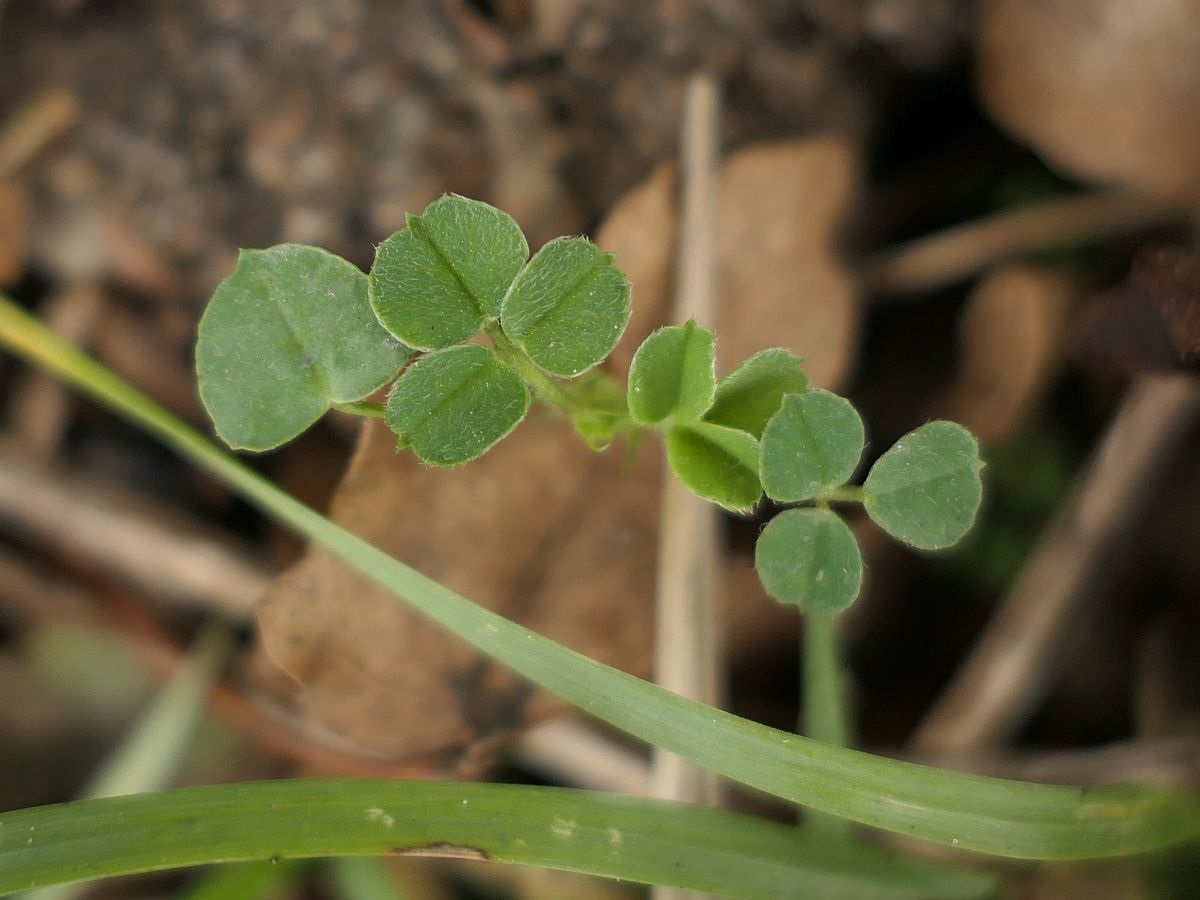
716 463
568 307
436 280
809 557
453 405
926 490
812 443
673 374
749 395
285 336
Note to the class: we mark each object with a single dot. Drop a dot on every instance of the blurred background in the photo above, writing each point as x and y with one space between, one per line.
973 209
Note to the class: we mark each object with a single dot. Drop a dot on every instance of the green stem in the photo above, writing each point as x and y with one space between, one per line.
990 815
847 493
362 408
824 712
546 387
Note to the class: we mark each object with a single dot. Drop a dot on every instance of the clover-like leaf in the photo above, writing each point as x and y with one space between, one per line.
568 307
452 406
809 557
285 336
811 444
926 490
435 281
716 463
749 395
673 374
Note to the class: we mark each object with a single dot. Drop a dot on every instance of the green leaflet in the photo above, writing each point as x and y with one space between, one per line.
811 444
451 406
286 335
749 395
716 463
673 374
568 307
436 281
926 490
809 557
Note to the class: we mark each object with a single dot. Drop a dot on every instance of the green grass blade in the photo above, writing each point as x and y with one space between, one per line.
157 744
990 815
647 841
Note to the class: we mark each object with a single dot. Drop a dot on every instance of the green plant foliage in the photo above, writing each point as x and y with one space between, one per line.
630 838
717 463
749 395
809 557
972 812
451 406
435 282
673 374
811 444
926 490
286 335
601 411
568 307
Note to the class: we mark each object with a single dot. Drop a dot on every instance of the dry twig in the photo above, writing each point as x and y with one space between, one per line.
960 252
164 555
1011 666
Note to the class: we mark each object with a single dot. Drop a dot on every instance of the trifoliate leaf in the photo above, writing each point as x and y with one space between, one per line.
811 444
451 406
809 557
435 281
749 395
285 336
926 490
716 463
568 307
673 374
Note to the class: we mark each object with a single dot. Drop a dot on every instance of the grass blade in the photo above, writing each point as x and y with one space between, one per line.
647 841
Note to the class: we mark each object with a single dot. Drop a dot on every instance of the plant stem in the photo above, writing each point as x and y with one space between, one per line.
824 712
549 390
362 408
845 494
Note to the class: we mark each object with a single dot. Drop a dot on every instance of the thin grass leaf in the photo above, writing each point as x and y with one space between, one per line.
647 841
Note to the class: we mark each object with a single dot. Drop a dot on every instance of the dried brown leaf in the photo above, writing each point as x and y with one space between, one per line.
539 529
643 229
1106 90
782 283
1009 346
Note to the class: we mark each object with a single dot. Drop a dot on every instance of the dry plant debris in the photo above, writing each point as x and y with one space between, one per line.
570 556
1009 349
1106 90
1149 322
783 284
